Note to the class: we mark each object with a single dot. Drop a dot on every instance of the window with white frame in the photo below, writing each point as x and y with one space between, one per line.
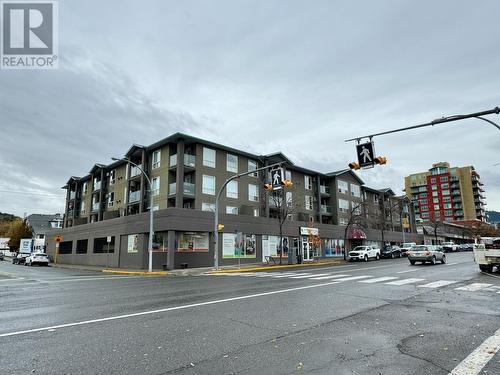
288 175
434 193
252 166
309 202
356 208
82 207
424 208
355 190
375 198
445 186
448 213
111 199
256 212
232 163
434 187
253 193
447 206
155 162
444 179
342 187
208 157
155 186
85 187
308 182
289 198
112 176
208 185
343 205
425 215
446 199
231 210
208 207
343 221
435 200
232 189
436 207
445 192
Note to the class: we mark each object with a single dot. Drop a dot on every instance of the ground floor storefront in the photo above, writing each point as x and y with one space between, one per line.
184 238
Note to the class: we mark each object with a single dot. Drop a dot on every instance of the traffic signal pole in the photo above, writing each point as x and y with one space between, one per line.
219 193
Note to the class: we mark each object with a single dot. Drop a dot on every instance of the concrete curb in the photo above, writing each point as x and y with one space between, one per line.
284 266
136 273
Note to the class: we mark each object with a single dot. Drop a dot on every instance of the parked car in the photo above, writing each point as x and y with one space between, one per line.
364 253
20 258
1 256
406 246
426 253
39 258
391 251
449 247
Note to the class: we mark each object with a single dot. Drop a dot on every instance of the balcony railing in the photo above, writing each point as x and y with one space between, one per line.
134 196
96 206
72 195
97 185
324 189
135 171
172 188
326 209
173 160
189 188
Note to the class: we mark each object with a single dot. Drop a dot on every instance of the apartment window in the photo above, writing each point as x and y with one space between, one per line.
256 212
436 207
444 179
434 187
433 180
156 159
434 193
356 208
342 186
112 177
253 193
288 175
447 206
343 205
252 166
231 210
232 189
308 183
289 198
423 195
85 187
81 246
375 198
446 199
425 215
208 207
208 157
111 199
309 202
82 207
437 215
448 213
445 186
232 163
343 221
423 201
208 185
445 192
435 200
155 186
355 191
424 208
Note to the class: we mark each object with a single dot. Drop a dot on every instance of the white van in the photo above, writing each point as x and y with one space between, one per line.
405 246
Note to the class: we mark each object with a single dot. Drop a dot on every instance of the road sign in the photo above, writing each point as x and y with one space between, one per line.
58 239
366 154
277 177
108 239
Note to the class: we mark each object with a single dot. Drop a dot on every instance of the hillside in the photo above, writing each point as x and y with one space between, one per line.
7 217
493 216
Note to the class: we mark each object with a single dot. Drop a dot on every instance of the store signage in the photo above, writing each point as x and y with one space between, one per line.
308 231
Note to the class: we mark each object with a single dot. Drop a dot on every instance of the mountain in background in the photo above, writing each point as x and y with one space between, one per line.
7 217
493 216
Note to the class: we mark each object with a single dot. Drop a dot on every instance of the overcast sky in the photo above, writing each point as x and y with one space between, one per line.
263 76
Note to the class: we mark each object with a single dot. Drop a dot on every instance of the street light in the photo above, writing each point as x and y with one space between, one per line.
150 242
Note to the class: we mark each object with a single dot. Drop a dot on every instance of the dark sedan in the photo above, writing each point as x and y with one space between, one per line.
391 251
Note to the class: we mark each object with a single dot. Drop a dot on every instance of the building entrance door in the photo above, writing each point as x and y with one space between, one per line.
307 249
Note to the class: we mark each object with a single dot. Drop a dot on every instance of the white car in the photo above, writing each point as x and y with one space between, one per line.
364 253
38 258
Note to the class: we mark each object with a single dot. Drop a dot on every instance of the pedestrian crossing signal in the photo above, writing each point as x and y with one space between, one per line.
354 165
380 160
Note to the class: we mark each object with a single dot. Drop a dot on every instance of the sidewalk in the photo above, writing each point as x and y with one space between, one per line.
258 267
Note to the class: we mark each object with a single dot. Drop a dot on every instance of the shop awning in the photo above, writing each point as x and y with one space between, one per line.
356 234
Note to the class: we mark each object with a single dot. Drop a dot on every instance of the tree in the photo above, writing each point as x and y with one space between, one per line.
19 229
356 219
435 224
480 229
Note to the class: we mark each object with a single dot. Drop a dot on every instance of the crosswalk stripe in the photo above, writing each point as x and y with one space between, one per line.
353 278
309 275
291 274
473 287
405 281
378 279
437 284
328 277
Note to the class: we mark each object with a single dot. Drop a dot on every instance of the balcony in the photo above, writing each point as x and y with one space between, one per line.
172 161
172 188
326 209
189 188
96 206
189 160
134 196
97 185
324 189
72 195
135 171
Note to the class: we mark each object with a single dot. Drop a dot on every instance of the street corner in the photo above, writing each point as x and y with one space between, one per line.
135 273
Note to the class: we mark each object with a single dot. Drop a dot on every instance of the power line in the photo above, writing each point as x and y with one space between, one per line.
30 193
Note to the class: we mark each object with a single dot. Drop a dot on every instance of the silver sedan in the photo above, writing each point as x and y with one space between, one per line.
426 253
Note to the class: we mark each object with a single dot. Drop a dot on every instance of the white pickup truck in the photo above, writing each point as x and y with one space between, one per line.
449 247
487 255
364 253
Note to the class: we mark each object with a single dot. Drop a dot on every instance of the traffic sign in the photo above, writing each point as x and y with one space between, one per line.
366 154
277 177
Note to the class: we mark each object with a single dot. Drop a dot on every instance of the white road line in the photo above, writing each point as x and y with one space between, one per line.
327 277
473 287
451 264
437 284
182 307
310 275
378 279
353 278
64 280
16 279
290 274
475 361
413 270
405 281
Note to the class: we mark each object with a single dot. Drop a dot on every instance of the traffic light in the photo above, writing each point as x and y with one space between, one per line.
380 160
287 183
220 227
268 187
354 165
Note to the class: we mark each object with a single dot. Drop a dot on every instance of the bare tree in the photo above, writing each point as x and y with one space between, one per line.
480 229
435 224
356 219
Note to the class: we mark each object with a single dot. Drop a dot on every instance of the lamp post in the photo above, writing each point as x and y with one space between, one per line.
150 242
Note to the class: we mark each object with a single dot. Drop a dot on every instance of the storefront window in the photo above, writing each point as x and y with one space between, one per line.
160 241
238 245
193 242
333 247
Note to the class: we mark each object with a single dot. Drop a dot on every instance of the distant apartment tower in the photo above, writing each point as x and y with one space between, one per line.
444 193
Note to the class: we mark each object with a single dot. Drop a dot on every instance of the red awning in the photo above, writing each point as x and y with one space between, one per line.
356 234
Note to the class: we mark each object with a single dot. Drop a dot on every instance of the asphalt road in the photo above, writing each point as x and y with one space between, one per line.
384 317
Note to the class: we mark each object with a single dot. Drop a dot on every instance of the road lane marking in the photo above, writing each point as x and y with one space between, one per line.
475 361
310 275
167 309
405 281
473 287
378 279
416 269
437 284
289 274
353 278
16 279
327 277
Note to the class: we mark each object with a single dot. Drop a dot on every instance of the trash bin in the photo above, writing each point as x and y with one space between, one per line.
164 267
184 265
